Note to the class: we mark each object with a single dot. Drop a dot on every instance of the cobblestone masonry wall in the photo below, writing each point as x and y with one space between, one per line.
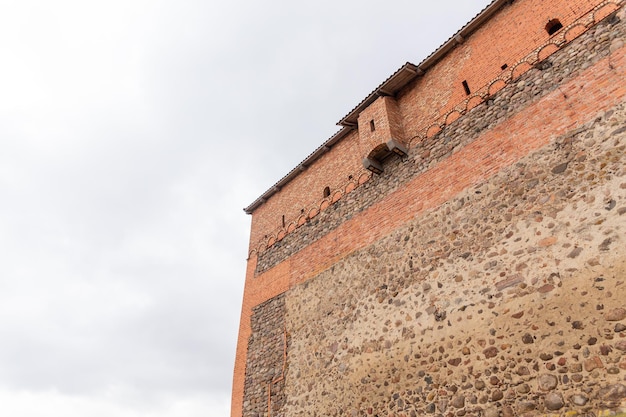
532 86
507 300
265 368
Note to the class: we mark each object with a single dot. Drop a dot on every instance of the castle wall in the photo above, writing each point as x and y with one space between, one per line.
508 298
481 275
515 36
506 39
335 170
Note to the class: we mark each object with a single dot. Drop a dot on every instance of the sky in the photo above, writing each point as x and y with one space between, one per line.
132 134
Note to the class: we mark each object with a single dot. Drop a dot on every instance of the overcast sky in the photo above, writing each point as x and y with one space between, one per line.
132 134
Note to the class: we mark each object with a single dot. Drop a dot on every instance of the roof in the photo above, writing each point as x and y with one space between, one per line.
390 87
302 166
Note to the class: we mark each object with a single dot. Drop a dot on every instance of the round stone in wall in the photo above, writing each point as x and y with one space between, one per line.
613 392
554 401
547 382
615 314
579 399
491 412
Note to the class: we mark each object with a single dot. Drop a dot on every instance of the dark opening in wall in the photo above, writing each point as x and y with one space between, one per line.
503 67
553 26
466 88
283 220
372 126
326 192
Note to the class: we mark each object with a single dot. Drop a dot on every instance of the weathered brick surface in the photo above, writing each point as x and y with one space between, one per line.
335 170
528 89
515 36
470 276
385 115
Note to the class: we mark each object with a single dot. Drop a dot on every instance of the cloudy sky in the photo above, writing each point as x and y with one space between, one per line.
132 134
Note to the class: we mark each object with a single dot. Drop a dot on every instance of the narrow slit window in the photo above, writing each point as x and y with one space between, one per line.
466 88
503 67
326 192
372 125
283 220
553 26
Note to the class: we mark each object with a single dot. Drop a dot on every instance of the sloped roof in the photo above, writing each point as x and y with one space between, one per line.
391 86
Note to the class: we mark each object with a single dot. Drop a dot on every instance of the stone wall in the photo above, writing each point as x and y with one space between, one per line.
498 291
264 383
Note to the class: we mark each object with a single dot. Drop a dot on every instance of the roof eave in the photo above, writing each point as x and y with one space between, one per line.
391 86
396 78
302 166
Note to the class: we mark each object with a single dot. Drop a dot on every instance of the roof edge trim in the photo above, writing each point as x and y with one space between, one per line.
398 80
302 166
430 61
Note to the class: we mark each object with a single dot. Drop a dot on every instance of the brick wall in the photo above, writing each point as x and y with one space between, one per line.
501 110
516 36
336 170
378 123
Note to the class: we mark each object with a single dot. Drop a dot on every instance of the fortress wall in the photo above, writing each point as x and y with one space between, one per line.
522 116
469 276
434 99
266 357
506 39
508 298
336 170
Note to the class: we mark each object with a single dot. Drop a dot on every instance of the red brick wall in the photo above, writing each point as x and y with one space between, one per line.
387 119
494 150
513 139
507 38
336 170
513 37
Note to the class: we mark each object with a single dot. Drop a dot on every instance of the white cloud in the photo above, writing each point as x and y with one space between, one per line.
116 401
132 134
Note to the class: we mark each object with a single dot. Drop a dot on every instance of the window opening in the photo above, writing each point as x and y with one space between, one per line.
283 220
326 192
466 88
372 126
503 67
553 26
